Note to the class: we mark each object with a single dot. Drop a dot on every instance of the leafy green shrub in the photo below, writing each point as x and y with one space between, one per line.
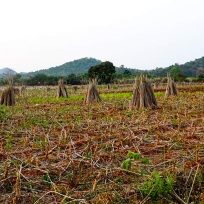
157 186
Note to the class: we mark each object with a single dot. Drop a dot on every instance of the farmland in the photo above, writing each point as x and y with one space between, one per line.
62 151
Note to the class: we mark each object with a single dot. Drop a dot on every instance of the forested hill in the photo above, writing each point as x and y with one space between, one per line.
79 66
193 68
189 69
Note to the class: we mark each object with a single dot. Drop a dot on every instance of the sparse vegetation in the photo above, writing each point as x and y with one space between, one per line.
60 150
157 187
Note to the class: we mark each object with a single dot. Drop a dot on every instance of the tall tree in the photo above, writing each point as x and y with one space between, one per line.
176 73
103 72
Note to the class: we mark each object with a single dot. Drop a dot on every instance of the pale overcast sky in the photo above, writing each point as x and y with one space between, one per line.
144 34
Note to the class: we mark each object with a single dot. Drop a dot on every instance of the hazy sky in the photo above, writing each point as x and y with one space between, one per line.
144 34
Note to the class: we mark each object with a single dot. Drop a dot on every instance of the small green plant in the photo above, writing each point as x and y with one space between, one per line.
174 122
46 179
41 143
145 160
3 113
126 164
89 155
8 142
70 176
119 181
157 186
131 156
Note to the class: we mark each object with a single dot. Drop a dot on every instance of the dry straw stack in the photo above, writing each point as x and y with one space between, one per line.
135 102
22 90
171 89
143 94
61 91
92 94
8 95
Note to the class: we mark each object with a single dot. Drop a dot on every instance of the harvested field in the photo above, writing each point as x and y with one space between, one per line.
58 150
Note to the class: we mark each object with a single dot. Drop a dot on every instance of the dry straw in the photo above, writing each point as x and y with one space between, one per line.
8 95
143 94
61 91
135 102
171 89
92 94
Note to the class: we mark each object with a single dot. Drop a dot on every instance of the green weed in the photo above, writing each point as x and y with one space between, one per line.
46 179
3 113
157 186
131 156
8 142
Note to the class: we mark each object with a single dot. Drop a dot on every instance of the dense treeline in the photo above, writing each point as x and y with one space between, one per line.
76 72
126 76
190 69
106 72
42 79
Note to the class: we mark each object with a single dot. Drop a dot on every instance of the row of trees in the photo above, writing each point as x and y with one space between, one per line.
105 73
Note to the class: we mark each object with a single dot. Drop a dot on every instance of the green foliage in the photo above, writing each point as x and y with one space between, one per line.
89 155
176 73
119 181
174 122
157 186
41 143
46 179
3 112
104 72
42 79
127 73
169 184
189 69
70 176
8 142
18 79
145 160
126 164
36 121
73 79
131 156
75 72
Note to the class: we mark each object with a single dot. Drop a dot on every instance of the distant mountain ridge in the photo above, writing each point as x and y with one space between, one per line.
79 66
82 66
7 71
